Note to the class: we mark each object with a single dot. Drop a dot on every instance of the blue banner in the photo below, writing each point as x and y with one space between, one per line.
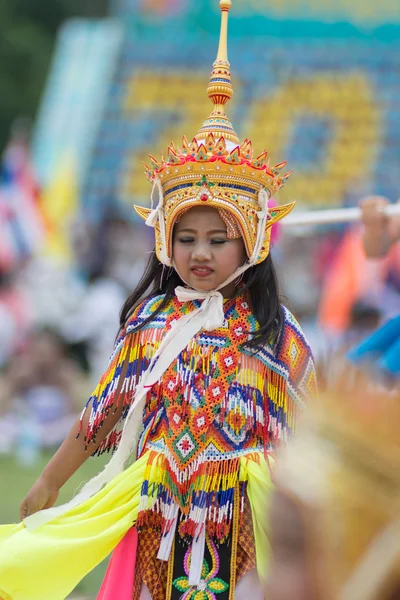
76 94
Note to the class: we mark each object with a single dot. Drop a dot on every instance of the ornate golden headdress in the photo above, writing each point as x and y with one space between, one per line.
343 472
216 170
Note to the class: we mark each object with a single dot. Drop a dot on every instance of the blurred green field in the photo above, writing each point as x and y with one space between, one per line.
16 480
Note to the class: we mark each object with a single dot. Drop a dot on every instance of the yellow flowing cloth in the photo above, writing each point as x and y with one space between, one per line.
48 563
259 492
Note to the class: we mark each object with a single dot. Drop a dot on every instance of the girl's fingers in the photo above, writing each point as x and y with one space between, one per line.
373 211
23 511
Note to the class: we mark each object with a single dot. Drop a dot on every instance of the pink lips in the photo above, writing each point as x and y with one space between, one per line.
200 271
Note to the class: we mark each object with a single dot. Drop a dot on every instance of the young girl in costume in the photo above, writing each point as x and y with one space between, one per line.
208 374
381 234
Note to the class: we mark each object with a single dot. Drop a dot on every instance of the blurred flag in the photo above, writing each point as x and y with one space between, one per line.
353 278
22 227
59 203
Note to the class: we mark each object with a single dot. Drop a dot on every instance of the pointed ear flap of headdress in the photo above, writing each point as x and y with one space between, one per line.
142 212
279 212
276 214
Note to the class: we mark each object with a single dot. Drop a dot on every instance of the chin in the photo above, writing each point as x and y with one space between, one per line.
203 286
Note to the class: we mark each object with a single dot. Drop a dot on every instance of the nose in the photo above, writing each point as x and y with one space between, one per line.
201 252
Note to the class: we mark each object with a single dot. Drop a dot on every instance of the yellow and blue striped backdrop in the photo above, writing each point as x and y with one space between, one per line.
317 83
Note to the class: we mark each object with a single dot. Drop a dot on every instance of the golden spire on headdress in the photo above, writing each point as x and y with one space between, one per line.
203 171
220 89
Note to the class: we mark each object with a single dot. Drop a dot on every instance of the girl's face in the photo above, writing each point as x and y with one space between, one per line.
203 255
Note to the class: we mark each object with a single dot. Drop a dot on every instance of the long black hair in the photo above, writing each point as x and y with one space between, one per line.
260 283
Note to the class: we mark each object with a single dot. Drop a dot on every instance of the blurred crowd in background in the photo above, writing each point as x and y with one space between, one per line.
110 80
59 310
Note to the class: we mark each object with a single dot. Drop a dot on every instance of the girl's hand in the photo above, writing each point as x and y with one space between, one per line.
42 495
378 232
373 213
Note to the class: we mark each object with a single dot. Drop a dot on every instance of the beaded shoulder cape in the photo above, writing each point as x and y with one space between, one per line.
218 402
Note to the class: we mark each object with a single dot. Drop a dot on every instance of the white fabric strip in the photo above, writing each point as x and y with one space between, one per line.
166 541
157 214
262 222
196 562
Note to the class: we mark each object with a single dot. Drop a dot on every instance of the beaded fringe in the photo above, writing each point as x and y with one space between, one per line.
260 386
117 386
209 500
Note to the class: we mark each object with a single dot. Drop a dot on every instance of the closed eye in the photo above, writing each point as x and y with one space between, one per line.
186 240
218 241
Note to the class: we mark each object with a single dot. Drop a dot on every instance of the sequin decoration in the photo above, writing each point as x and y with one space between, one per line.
232 226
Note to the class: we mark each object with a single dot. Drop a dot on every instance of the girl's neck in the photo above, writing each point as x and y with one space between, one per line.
229 291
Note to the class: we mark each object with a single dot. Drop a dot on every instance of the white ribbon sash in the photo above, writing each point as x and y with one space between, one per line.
209 316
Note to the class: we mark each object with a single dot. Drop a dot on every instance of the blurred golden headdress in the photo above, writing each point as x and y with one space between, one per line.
216 170
343 472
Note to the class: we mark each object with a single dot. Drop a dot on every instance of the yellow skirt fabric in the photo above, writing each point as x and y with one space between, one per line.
48 563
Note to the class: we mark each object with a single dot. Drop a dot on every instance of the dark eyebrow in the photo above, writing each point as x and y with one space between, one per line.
208 232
